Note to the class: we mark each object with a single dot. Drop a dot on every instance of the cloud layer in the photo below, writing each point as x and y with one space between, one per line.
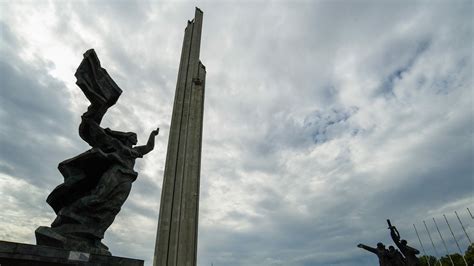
321 120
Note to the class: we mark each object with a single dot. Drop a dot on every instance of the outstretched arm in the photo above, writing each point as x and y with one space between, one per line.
142 150
373 250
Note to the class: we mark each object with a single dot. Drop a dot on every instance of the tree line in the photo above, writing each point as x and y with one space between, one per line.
456 257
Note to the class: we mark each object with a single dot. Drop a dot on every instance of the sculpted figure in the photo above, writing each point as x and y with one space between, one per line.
380 251
98 181
396 257
409 252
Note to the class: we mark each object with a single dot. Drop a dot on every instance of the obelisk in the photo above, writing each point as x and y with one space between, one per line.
176 240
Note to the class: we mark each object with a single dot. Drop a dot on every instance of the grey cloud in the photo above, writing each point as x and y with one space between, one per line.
302 146
387 85
325 126
283 132
35 120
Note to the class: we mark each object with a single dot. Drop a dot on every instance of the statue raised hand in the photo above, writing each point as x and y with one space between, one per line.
98 181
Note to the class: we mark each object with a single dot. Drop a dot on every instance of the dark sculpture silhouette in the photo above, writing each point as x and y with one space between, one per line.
380 251
409 252
393 257
98 181
396 257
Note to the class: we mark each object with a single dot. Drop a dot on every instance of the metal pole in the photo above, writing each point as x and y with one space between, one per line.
422 247
464 229
455 240
472 217
444 243
436 251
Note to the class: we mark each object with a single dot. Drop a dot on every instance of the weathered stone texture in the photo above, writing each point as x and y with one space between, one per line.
17 254
176 242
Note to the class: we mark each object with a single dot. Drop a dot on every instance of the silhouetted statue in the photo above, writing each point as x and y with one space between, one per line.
380 251
409 252
395 257
98 181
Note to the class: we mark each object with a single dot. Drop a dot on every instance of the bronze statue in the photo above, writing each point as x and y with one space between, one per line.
409 252
98 181
396 257
380 251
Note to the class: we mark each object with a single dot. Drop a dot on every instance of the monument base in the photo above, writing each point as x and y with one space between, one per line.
46 236
17 254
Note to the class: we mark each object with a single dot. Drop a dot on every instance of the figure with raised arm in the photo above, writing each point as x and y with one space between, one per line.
98 181
409 252
380 251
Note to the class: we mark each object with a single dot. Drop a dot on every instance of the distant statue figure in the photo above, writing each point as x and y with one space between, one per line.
395 257
409 252
98 181
380 251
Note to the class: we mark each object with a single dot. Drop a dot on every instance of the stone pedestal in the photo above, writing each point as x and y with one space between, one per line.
16 254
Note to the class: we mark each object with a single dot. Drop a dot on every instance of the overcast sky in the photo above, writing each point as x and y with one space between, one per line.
322 119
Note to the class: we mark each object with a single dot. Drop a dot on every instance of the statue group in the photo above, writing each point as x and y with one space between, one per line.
392 256
98 181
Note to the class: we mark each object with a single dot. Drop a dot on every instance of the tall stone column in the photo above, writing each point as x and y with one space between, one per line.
176 240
